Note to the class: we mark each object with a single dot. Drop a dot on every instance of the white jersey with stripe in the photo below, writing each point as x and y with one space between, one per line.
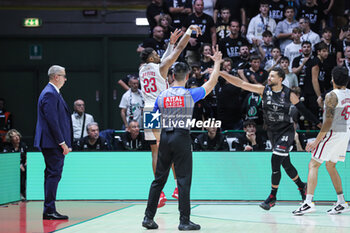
152 83
334 145
341 120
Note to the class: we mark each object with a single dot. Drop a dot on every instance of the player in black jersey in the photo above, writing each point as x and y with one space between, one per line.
277 100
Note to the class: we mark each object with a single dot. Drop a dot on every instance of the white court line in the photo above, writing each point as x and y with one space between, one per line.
219 219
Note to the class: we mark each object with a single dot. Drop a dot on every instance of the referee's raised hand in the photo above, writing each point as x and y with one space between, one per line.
217 57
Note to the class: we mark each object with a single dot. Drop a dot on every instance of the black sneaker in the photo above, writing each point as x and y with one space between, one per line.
268 203
149 223
189 226
303 191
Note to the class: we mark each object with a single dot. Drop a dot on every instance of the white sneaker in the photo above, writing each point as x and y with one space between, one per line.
305 208
339 208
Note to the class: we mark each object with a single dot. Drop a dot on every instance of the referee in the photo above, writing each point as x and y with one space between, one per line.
176 106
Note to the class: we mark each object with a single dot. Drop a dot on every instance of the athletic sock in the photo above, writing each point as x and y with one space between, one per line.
309 198
175 183
340 199
274 191
299 183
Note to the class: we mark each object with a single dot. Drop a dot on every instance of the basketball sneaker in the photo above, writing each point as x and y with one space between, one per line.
339 208
176 194
268 203
305 208
162 200
303 191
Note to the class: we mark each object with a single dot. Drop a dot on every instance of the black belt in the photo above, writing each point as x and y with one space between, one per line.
175 129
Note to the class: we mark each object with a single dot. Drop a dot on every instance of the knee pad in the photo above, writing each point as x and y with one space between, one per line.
276 177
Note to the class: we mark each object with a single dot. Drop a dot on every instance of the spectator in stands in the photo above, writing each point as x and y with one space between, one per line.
132 103
275 61
264 49
252 108
154 11
295 4
346 60
15 144
207 106
236 9
206 23
249 140
5 120
300 139
308 34
314 13
230 45
302 66
165 22
223 24
156 42
284 29
133 139
260 23
331 60
293 49
201 108
80 120
244 57
212 140
209 7
228 101
93 141
179 11
206 62
124 82
318 71
255 74
290 80
277 8
327 6
343 42
196 76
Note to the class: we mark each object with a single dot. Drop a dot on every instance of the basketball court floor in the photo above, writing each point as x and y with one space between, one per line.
214 217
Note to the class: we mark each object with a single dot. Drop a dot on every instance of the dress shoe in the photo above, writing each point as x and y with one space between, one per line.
189 226
149 223
54 216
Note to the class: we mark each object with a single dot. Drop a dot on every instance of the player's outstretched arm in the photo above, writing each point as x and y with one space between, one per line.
173 38
330 102
169 60
257 88
217 58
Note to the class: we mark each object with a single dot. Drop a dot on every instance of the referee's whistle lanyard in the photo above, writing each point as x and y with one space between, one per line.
267 22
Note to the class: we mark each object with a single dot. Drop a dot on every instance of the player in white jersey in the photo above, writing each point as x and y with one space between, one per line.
153 77
331 142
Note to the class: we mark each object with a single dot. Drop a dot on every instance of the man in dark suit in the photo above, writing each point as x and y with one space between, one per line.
53 136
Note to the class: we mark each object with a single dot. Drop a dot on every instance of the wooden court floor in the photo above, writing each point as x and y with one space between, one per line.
126 217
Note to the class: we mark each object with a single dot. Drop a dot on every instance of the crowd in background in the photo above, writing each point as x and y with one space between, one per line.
306 38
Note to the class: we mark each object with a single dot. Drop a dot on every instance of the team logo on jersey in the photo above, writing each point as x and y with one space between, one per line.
151 120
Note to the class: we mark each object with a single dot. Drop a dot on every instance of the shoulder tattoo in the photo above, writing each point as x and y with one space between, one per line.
331 102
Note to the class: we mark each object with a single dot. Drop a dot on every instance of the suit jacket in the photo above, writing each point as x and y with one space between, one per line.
54 124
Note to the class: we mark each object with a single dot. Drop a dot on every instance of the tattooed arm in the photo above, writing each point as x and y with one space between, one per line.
331 102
